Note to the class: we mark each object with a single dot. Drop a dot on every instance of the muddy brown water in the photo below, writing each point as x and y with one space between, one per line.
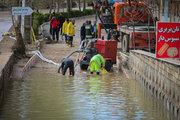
45 95
42 95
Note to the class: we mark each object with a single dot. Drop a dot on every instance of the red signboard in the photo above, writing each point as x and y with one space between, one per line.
168 40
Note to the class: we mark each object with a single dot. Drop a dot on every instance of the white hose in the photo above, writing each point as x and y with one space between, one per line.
38 53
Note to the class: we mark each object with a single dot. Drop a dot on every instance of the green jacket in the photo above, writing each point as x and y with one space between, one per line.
99 60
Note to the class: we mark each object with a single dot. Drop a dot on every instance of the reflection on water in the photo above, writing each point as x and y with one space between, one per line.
43 96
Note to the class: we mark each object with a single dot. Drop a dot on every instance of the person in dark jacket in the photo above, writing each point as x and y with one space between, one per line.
61 19
95 30
89 30
67 63
83 32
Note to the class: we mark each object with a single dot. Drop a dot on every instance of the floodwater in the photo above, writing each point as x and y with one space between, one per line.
44 96
5 22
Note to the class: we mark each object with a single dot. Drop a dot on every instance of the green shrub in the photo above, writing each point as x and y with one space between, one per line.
64 14
37 20
46 17
89 11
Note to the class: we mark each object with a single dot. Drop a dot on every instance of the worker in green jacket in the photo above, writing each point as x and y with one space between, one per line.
96 63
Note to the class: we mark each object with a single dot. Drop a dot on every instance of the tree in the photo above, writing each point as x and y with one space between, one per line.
41 4
20 47
58 5
51 7
68 7
79 1
84 5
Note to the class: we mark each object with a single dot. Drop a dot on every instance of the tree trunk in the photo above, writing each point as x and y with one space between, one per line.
58 5
79 4
54 5
71 1
68 8
84 5
20 47
51 7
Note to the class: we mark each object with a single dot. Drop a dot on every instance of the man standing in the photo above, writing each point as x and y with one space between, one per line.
71 32
55 25
83 32
89 30
67 63
64 28
61 19
95 30
96 62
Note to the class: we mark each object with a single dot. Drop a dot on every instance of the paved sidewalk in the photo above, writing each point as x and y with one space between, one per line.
5 51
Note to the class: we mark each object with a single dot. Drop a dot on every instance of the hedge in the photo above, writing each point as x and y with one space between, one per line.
39 18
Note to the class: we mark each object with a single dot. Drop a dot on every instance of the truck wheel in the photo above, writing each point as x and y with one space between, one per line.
108 65
125 43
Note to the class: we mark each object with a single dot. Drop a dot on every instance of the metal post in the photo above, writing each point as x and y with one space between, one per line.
27 24
22 20
161 11
166 4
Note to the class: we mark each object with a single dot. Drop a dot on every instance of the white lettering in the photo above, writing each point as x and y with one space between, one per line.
167 40
170 30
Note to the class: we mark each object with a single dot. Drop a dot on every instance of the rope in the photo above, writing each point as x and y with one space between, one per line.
38 53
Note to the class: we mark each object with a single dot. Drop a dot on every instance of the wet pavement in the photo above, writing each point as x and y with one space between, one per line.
5 22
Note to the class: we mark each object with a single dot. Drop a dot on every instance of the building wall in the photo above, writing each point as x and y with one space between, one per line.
158 6
161 77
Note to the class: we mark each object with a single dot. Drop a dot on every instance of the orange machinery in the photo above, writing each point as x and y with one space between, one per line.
132 24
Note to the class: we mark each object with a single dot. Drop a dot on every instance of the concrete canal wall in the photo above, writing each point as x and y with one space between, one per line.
5 73
161 77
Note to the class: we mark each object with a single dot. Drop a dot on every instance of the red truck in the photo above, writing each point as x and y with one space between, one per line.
132 24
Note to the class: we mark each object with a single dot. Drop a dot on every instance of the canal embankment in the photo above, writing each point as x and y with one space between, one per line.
7 61
161 77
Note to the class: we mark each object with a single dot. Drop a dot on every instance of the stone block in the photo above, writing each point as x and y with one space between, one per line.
178 82
178 70
176 74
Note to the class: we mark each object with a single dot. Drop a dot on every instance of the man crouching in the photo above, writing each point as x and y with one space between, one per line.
67 63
